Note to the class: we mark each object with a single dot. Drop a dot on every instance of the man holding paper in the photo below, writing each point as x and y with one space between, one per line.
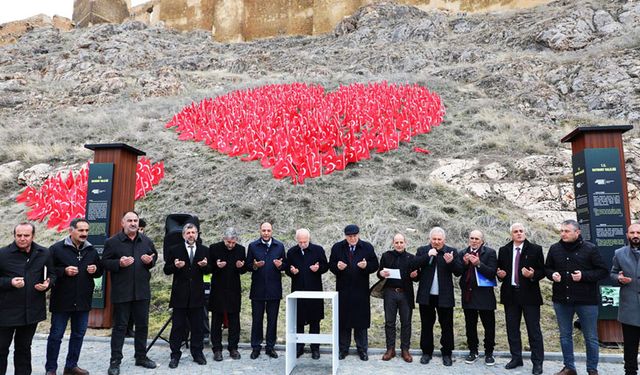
478 279
24 281
398 296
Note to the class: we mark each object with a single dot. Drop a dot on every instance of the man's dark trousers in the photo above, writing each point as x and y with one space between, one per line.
121 313
258 309
183 321
428 320
22 348
513 314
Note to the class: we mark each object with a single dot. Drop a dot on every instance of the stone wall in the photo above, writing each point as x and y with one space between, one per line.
91 12
10 32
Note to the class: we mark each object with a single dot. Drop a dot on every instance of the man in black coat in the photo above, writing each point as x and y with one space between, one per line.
436 263
307 262
352 261
575 266
227 263
76 263
129 257
480 263
520 268
397 296
26 272
187 262
266 259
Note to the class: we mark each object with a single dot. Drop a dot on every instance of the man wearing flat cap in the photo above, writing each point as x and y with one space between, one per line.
352 261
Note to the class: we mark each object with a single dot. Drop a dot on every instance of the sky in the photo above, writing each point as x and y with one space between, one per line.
12 10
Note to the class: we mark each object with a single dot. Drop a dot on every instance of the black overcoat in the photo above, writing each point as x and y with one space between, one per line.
187 288
352 283
226 289
530 256
446 271
129 283
73 293
307 280
26 305
482 298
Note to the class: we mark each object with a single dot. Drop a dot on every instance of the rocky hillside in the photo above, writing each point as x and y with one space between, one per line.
513 83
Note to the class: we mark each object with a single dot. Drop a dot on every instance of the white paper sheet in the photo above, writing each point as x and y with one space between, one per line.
394 273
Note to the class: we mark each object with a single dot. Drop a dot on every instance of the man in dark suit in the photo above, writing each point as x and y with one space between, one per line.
479 262
626 273
520 268
129 257
352 261
227 263
436 263
26 272
187 262
76 263
266 259
307 262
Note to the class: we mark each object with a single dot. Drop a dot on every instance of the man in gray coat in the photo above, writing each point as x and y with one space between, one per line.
625 271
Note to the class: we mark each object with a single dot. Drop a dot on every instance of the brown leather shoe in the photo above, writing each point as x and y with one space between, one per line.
407 356
391 352
75 371
566 371
592 372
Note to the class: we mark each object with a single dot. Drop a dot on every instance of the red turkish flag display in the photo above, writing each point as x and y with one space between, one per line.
302 132
60 200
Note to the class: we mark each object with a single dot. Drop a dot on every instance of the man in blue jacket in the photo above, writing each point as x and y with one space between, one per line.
266 260
26 272
76 263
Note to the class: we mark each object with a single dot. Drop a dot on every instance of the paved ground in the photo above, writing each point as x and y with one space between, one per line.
96 351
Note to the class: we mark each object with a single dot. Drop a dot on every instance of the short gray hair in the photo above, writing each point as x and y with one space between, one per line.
303 231
188 226
230 234
571 223
514 225
437 230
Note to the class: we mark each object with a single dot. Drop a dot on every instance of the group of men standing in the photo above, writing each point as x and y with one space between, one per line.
69 267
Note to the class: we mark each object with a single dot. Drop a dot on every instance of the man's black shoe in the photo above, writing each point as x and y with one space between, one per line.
315 354
173 363
446 360
233 353
255 353
471 358
271 353
425 359
343 355
513 364
217 356
363 355
200 359
537 370
146 363
114 369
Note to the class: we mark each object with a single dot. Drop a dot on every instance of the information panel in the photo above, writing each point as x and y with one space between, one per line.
600 209
99 188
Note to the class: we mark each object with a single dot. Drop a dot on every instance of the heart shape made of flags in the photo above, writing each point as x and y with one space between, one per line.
300 131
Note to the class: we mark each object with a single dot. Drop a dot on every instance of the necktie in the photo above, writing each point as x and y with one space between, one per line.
516 272
191 254
352 250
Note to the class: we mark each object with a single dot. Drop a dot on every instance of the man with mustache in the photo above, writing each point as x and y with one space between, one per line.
76 263
227 263
129 257
626 272
187 262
